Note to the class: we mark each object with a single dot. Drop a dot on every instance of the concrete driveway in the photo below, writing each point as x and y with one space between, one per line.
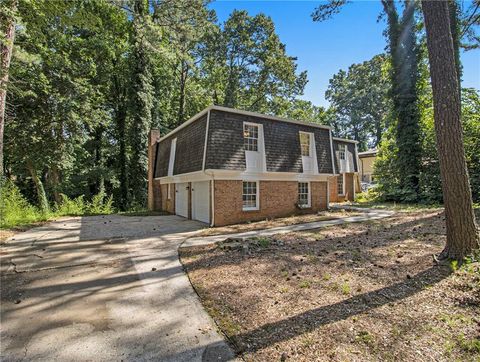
103 288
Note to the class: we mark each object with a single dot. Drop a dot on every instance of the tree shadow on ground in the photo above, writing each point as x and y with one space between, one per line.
294 326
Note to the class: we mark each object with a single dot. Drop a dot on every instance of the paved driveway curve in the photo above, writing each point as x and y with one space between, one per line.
103 288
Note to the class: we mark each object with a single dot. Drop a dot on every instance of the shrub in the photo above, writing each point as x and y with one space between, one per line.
100 204
70 207
15 209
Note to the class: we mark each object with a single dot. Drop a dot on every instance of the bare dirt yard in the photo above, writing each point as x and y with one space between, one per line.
356 292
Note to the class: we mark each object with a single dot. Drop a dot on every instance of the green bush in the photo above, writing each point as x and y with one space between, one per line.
100 204
71 207
15 209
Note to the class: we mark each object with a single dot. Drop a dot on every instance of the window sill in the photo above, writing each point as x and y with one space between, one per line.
250 209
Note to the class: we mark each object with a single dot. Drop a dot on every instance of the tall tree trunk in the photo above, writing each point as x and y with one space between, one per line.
7 27
455 30
41 195
462 233
183 83
99 161
404 77
121 121
55 182
142 104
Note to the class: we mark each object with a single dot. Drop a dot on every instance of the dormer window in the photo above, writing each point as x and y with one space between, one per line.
305 143
250 137
341 152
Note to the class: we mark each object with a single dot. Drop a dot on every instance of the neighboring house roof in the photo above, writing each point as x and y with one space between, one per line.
246 113
368 153
344 140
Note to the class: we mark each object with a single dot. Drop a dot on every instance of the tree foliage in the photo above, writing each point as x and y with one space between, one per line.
90 78
359 98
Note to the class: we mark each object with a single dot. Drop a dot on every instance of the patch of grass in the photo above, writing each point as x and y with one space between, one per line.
312 258
345 287
365 337
284 273
263 242
455 320
283 290
469 345
454 265
305 284
326 276
308 341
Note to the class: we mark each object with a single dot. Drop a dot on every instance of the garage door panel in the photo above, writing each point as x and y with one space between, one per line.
201 201
181 199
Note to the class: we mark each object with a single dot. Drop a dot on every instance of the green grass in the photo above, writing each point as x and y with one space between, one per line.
17 212
263 242
305 284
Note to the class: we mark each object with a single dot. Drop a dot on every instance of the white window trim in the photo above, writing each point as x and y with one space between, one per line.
342 175
342 149
171 161
309 195
257 206
258 135
311 140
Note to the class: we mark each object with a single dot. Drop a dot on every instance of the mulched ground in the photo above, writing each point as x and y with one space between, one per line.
358 292
274 222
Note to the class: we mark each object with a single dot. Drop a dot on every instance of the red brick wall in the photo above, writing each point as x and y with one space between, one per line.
349 184
155 202
168 205
277 199
349 187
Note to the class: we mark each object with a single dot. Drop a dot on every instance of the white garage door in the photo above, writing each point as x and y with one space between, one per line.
181 199
201 201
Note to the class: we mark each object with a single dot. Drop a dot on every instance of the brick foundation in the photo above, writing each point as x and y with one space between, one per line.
277 199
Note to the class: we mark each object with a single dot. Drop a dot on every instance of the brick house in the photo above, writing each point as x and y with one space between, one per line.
226 166
345 183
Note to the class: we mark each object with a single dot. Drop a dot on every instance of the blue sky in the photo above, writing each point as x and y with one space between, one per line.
352 36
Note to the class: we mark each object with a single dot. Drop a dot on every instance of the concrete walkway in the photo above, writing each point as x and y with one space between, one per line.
103 289
368 214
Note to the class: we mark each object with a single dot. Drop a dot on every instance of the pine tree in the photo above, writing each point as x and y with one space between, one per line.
462 233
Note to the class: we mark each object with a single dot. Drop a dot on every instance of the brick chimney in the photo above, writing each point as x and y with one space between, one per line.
153 138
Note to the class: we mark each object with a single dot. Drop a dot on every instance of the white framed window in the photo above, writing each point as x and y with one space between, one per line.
340 185
304 194
341 152
305 143
250 195
250 137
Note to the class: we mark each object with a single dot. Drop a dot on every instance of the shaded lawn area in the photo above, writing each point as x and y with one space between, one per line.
358 292
275 222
